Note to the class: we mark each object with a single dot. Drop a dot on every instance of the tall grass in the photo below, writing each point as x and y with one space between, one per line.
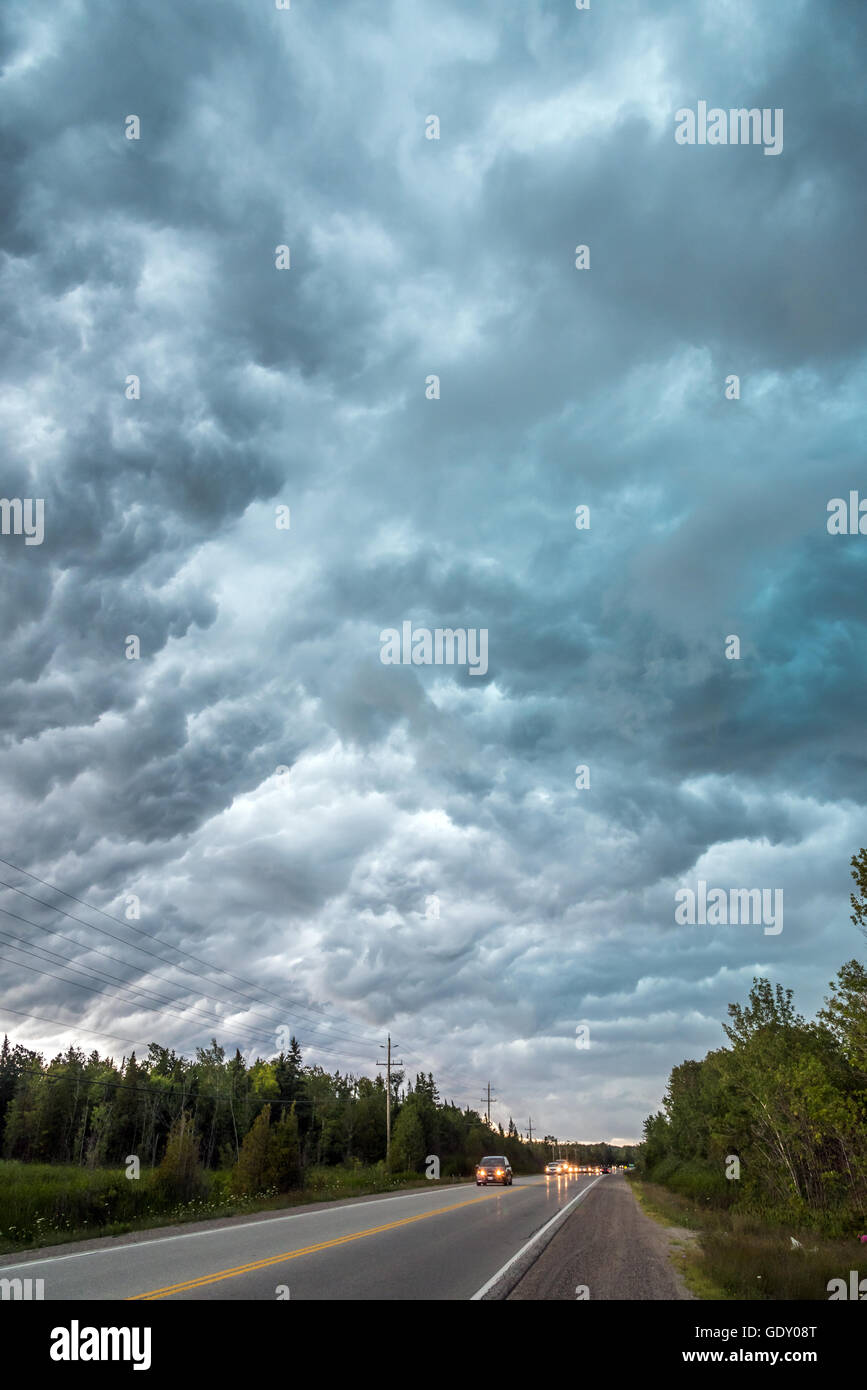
41 1203
707 1186
750 1255
45 1203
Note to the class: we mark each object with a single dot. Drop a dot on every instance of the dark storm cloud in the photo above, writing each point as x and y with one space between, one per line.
260 648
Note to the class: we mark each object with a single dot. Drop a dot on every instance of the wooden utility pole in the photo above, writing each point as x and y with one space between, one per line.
387 1065
486 1100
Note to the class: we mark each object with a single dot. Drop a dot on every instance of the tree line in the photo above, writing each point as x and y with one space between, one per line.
275 1117
776 1122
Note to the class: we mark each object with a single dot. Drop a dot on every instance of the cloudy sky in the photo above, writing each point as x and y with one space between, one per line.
285 806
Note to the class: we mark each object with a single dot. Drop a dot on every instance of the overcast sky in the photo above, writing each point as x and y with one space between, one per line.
306 388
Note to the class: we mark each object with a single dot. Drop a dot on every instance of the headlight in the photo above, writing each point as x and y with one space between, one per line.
499 1173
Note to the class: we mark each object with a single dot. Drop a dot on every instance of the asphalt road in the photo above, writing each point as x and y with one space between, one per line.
431 1243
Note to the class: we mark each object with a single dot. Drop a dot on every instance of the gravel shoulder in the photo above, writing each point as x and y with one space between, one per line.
609 1246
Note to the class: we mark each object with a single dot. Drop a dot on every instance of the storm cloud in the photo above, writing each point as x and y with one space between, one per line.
404 848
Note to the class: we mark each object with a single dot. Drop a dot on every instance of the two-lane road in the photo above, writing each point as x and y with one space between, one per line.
431 1243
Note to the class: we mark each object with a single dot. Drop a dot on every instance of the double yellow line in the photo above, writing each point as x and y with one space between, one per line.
254 1265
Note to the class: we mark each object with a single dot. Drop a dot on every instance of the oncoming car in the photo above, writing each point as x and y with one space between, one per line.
495 1169
554 1170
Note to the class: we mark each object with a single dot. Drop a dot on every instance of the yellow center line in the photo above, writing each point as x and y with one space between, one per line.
254 1265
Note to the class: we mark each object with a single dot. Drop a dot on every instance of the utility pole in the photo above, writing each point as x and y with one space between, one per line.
530 1128
387 1065
486 1100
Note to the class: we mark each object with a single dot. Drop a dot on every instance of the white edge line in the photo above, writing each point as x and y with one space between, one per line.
559 1216
128 1246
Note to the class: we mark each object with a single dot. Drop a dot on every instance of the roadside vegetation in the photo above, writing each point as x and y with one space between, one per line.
762 1145
736 1255
49 1204
95 1148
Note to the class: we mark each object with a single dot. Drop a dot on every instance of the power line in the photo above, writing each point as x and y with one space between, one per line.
309 1026
135 1003
129 964
72 1027
194 974
313 1008
91 990
463 1083
30 949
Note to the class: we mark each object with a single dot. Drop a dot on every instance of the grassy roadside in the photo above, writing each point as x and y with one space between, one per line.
54 1204
738 1256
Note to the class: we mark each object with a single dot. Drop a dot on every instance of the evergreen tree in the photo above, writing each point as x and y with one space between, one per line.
284 1155
15 1062
180 1173
254 1171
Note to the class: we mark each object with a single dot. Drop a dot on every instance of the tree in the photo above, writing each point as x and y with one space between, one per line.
770 1008
858 864
254 1171
845 1014
284 1154
407 1140
180 1174
15 1062
126 1116
289 1073
369 1112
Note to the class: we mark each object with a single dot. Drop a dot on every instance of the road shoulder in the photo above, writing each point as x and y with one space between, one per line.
608 1248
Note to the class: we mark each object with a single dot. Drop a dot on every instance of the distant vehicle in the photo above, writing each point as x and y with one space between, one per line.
553 1170
606 1170
495 1169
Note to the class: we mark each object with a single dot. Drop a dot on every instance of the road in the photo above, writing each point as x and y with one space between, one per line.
442 1242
